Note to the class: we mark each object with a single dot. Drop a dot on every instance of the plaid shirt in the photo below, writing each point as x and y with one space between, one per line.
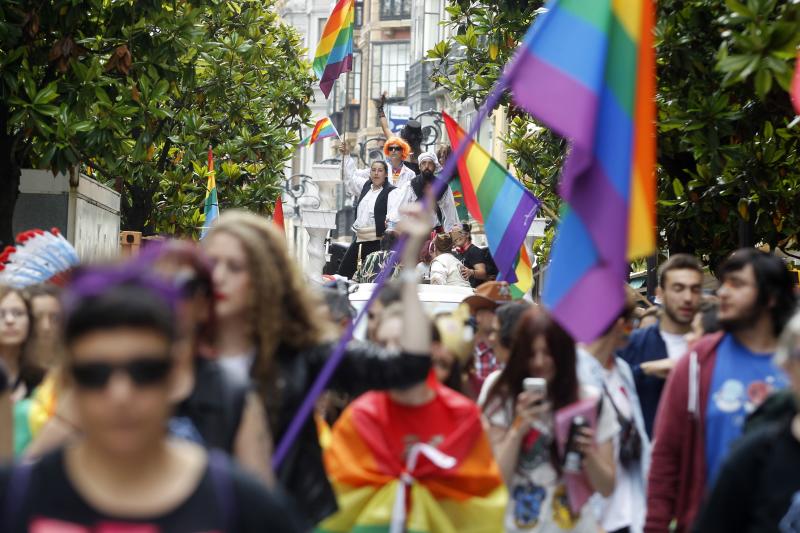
485 363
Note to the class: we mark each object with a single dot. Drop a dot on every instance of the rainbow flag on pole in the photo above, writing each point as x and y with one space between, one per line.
499 201
322 130
385 482
587 71
211 206
334 53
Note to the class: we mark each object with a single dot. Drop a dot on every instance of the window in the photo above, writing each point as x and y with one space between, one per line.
358 15
395 9
389 67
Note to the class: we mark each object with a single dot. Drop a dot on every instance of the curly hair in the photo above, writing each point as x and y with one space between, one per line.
284 311
405 149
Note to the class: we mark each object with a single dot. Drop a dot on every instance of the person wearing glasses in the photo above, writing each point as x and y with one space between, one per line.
124 473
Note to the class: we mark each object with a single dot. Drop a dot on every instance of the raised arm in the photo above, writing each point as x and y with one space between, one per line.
354 179
382 115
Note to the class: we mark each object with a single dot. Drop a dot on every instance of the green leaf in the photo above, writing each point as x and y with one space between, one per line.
763 82
677 188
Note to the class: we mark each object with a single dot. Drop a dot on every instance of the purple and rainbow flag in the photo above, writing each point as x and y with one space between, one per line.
334 53
323 129
587 71
501 203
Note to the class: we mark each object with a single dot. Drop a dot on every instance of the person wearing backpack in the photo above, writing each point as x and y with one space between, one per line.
124 473
758 488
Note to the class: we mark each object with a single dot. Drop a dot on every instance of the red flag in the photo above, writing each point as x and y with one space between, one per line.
277 214
795 90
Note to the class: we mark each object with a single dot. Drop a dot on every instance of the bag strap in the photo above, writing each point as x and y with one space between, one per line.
219 466
620 417
16 493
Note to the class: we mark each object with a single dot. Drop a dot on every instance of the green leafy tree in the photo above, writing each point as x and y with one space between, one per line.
134 92
727 166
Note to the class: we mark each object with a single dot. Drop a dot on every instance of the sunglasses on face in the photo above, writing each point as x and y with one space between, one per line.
395 149
142 371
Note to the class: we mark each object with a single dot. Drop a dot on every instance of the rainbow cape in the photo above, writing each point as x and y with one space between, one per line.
587 71
334 53
498 200
211 205
378 491
323 129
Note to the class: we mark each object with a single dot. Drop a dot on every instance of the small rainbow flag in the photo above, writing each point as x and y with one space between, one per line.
384 482
499 201
334 53
322 130
211 205
597 89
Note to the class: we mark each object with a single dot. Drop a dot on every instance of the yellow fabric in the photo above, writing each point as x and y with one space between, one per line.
43 406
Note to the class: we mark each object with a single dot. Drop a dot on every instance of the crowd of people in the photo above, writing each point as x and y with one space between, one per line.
150 394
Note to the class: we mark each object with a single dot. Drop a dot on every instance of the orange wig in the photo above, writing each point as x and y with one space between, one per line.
405 149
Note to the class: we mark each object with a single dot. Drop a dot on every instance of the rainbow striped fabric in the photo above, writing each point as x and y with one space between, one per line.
587 70
499 201
211 204
383 484
323 129
334 53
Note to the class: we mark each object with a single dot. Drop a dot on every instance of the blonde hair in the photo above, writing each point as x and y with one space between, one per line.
283 310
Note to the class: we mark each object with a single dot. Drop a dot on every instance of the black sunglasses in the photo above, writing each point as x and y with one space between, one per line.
142 371
395 149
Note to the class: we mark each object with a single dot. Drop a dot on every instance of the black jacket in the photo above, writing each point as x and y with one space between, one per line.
363 367
381 205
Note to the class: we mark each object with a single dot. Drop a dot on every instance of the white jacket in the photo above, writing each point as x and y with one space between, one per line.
446 270
405 195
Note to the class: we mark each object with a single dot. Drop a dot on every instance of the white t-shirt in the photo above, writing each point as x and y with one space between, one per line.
365 217
537 494
676 344
446 270
617 509
238 366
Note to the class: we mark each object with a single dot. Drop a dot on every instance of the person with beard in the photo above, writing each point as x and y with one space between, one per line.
709 392
372 188
653 351
444 217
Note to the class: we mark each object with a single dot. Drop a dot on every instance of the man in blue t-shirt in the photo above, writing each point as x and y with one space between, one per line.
711 391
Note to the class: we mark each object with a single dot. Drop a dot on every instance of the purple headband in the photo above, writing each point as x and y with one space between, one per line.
89 282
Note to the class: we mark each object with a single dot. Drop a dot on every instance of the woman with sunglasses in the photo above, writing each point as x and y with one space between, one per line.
397 151
371 188
124 473
271 327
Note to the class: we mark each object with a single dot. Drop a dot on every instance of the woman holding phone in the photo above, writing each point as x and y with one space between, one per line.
520 413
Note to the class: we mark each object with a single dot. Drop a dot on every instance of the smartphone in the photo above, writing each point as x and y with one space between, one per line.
535 385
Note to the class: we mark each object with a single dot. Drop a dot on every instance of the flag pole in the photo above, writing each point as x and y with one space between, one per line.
345 114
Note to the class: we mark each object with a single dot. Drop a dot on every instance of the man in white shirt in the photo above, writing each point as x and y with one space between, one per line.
445 215
653 351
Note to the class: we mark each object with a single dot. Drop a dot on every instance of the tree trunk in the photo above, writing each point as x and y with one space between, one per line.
9 180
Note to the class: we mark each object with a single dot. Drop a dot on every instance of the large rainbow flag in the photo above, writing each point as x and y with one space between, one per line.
323 129
587 70
446 484
334 53
498 200
211 204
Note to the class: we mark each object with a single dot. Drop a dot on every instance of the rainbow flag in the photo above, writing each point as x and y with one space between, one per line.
322 130
587 70
211 206
334 53
499 201
385 482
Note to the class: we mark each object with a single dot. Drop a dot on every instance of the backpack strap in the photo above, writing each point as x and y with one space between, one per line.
694 385
16 493
219 466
